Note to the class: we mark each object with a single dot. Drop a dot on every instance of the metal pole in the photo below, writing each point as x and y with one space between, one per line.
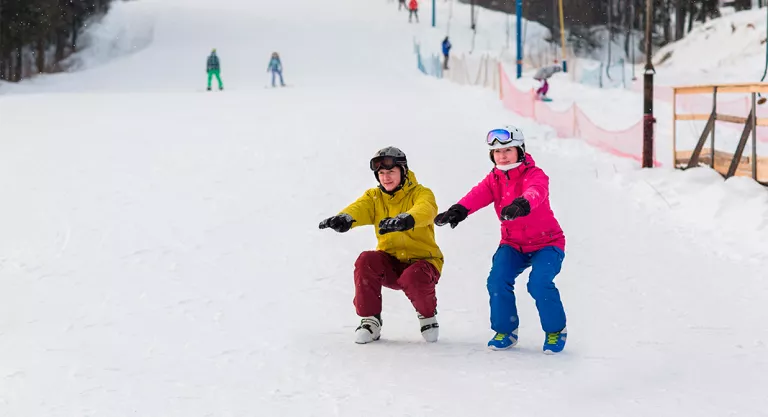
648 119
632 36
519 13
433 13
762 100
472 16
610 37
562 36
3 75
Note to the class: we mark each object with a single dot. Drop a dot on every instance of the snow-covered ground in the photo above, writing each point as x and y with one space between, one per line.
160 253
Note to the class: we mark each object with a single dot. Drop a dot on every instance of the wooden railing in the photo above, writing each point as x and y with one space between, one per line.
724 162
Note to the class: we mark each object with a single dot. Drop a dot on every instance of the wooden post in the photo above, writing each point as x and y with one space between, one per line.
562 36
753 122
674 126
694 161
742 144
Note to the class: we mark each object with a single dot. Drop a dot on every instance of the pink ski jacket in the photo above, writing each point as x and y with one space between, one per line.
528 233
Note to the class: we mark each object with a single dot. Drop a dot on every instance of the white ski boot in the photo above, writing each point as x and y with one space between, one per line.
430 330
368 331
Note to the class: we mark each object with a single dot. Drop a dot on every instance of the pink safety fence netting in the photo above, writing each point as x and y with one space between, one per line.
573 122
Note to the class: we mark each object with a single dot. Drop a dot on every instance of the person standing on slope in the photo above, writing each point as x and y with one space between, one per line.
446 52
407 257
213 68
530 237
413 10
276 67
401 5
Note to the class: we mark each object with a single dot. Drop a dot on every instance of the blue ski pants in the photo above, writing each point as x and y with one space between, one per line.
278 73
508 264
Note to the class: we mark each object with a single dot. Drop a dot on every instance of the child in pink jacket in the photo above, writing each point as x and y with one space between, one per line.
530 237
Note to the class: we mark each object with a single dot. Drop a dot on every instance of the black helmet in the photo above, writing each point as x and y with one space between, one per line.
388 158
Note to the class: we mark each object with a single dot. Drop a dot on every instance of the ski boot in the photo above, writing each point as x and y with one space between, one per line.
430 330
369 330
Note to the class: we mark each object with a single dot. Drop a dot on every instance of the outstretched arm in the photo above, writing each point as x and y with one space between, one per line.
361 210
424 208
356 214
536 188
479 196
420 215
535 192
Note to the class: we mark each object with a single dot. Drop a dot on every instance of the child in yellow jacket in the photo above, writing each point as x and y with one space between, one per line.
407 260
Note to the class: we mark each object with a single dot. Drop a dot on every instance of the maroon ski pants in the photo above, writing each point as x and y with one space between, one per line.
374 269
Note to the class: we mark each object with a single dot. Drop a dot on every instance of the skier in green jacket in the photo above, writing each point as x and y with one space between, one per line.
214 69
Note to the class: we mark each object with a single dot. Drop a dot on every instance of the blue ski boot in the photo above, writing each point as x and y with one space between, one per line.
502 341
555 342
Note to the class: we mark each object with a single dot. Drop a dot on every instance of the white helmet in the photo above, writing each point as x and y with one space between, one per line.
507 137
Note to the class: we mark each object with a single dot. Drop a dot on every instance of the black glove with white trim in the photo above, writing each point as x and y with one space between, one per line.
340 223
399 223
453 216
520 207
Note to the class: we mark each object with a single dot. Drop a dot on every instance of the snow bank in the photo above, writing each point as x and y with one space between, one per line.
724 50
734 212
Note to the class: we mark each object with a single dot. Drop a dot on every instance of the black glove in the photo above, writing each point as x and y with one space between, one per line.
519 208
399 223
455 214
340 223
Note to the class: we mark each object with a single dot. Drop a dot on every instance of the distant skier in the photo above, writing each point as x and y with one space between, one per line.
542 75
531 237
401 5
446 52
407 257
413 10
541 92
213 68
276 67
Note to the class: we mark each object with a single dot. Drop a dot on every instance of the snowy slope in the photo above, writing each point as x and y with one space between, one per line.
725 50
163 258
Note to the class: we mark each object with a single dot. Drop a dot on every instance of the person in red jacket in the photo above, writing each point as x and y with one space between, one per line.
413 10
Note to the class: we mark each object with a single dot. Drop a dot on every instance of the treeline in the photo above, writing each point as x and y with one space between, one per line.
36 35
672 19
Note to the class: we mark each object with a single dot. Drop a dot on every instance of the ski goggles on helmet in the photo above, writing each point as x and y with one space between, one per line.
384 162
502 136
